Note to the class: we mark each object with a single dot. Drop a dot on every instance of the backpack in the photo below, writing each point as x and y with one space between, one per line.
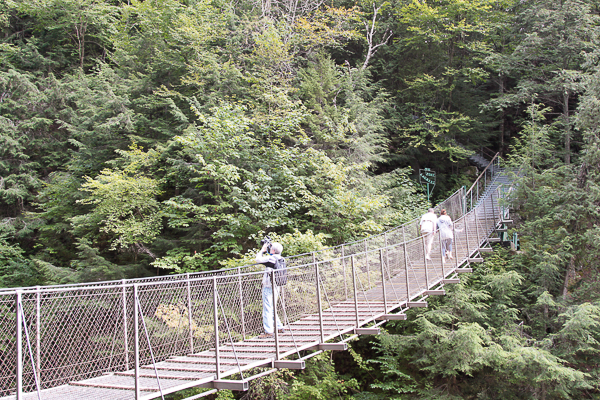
281 273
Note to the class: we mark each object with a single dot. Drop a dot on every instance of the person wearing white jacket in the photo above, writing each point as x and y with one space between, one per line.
428 229
445 225
269 261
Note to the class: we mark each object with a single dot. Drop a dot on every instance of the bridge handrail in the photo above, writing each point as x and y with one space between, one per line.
178 277
482 174
92 319
486 151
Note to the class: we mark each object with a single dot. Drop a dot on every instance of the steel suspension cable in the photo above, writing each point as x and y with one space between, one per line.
229 334
139 306
37 383
365 296
286 319
389 272
331 309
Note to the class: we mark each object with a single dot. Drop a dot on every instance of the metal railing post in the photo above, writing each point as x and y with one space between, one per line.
455 245
38 338
355 292
466 217
19 338
125 332
471 205
406 264
243 320
494 207
318 279
344 271
425 262
385 308
274 299
387 258
189 307
387 263
136 329
367 264
442 254
477 228
483 201
501 201
216 328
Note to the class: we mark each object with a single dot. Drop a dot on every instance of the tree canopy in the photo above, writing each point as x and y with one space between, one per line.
169 136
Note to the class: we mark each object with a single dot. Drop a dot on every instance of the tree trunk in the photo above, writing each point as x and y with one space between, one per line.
502 123
570 268
567 128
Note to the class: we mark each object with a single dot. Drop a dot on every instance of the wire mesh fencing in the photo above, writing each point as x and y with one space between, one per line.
53 336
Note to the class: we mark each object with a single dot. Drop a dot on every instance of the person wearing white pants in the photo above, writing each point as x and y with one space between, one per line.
269 260
445 225
428 229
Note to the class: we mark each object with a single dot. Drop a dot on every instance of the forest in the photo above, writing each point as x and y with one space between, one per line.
142 138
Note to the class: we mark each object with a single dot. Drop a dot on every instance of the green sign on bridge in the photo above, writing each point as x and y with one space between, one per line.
427 177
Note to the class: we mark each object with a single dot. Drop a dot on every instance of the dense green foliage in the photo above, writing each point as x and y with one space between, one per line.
165 136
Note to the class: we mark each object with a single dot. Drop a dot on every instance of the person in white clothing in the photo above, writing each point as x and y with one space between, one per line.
428 230
445 225
269 260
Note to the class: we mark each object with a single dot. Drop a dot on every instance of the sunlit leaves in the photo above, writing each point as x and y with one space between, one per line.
125 206
438 22
328 27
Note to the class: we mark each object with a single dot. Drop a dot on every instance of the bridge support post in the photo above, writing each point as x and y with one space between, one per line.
367 264
38 339
477 227
464 200
344 271
494 207
505 210
19 323
243 321
485 218
355 292
383 280
189 307
425 260
441 256
216 328
136 341
455 244
466 219
406 264
387 261
389 270
485 173
318 280
274 299
125 330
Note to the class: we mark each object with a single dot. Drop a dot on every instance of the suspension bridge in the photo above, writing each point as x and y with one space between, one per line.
145 338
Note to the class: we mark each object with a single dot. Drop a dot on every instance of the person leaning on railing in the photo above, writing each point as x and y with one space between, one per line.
269 260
